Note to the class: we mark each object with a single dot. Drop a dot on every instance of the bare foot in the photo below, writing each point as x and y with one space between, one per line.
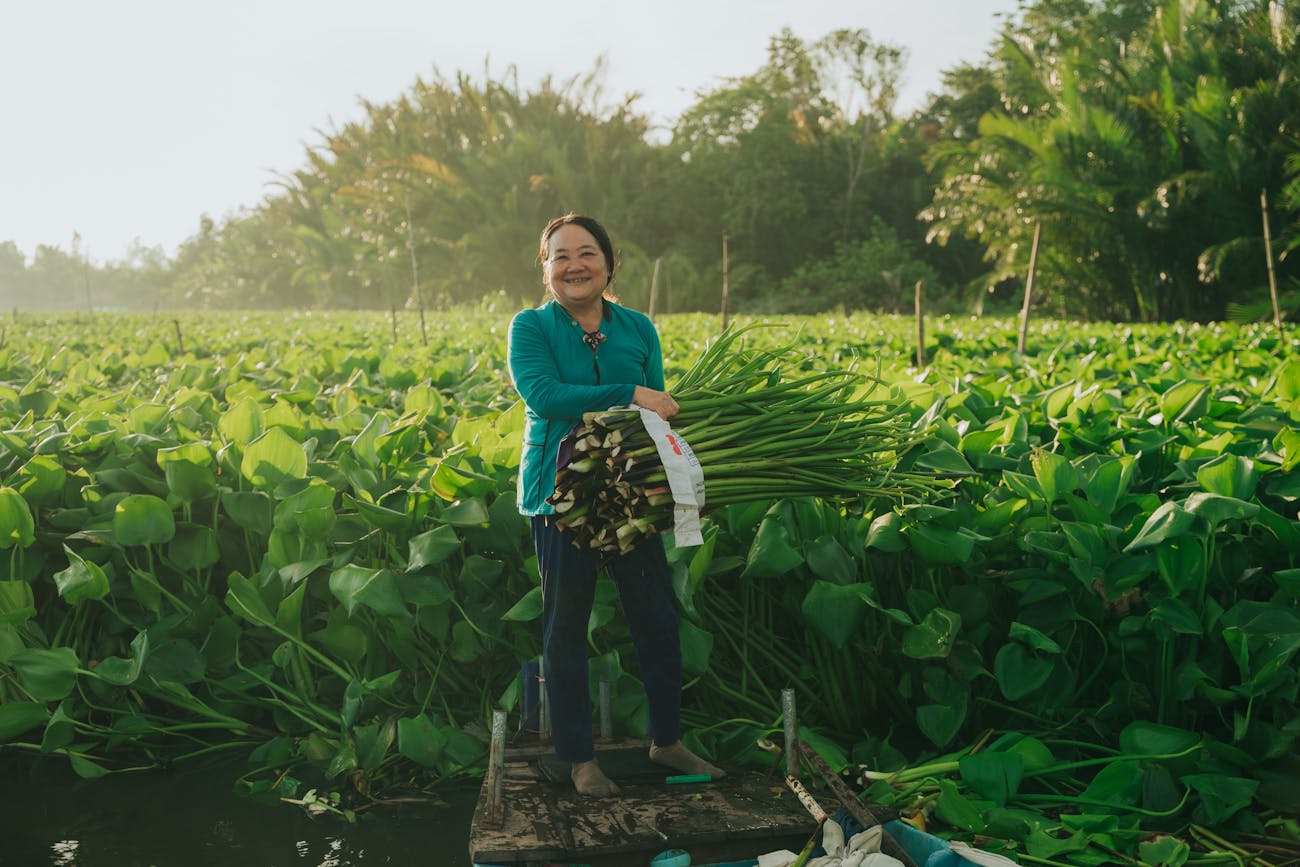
589 779
677 757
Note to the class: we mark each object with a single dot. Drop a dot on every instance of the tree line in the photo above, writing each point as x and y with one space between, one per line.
1144 143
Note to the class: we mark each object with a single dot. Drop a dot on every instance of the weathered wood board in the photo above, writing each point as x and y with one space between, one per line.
547 821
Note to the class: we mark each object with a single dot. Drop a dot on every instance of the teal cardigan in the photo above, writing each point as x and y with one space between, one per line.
560 377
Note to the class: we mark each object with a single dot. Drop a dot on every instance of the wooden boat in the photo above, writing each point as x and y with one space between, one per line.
728 821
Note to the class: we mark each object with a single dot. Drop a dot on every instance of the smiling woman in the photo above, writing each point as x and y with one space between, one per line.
549 351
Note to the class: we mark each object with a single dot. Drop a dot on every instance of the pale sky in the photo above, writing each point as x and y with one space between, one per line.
127 120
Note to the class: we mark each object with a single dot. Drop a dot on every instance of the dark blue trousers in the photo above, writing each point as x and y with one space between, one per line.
644 583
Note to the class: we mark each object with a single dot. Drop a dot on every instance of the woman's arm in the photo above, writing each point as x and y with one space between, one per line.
536 377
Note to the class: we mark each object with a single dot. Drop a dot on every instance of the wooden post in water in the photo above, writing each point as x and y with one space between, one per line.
654 288
415 270
180 341
920 327
496 812
791 733
1029 288
1268 257
725 277
606 710
543 706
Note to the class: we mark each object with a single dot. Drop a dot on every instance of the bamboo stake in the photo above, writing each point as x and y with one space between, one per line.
1029 288
415 269
920 327
180 341
654 287
791 725
725 277
1268 258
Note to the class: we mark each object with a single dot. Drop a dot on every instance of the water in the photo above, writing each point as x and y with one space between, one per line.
191 817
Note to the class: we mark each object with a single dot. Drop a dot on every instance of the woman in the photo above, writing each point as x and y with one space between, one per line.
579 352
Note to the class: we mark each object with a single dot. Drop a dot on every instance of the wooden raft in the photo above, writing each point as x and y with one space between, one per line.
745 814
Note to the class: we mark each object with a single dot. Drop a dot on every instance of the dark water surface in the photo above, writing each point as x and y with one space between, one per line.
192 817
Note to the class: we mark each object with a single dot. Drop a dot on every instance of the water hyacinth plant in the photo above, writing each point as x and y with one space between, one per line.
759 434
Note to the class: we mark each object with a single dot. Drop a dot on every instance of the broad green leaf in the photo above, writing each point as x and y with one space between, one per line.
1164 851
309 512
48 675
994 775
943 458
373 743
1221 795
526 609
1149 738
176 661
273 458
1109 482
465 644
1229 475
470 512
835 610
1177 615
696 647
344 641
1217 508
432 547
1119 782
886 533
82 580
933 637
190 482
250 510
288 616
85 768
143 519
420 589
17 527
420 740
242 423
957 810
1019 671
1055 474
124 672
828 561
939 544
18 717
1033 638
1287 444
17 602
940 722
355 585
1169 521
1184 402
772 553
40 480
244 600
195 547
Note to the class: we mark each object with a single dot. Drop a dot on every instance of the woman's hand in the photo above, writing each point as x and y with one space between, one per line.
659 401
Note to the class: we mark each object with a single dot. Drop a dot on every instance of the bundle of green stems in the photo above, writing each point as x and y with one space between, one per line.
757 434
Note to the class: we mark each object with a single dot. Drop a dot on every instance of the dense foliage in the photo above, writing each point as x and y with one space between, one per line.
1139 134
282 539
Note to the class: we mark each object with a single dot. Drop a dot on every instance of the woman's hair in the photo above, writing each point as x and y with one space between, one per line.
597 231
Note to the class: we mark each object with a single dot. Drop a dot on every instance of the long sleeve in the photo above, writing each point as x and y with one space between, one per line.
539 382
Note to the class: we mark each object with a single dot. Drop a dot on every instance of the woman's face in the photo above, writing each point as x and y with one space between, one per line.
575 269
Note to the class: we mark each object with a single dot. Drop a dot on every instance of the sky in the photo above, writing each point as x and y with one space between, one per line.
126 121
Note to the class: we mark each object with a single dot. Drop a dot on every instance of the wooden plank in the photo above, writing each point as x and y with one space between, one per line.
853 804
546 821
